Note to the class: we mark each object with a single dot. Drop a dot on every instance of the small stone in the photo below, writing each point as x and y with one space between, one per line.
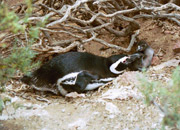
175 37
161 54
176 47
167 32
172 32
75 95
63 110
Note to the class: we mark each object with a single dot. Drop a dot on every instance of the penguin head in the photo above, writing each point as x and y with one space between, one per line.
27 79
121 59
136 61
119 63
142 45
135 56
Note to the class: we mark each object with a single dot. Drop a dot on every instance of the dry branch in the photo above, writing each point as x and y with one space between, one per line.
84 20
172 17
68 12
57 49
133 39
62 31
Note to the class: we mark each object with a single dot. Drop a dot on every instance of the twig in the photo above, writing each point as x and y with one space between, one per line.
172 17
90 39
118 47
98 27
158 15
159 107
68 48
38 18
175 20
68 12
48 37
58 49
62 31
42 99
106 15
10 36
51 9
75 27
63 42
25 33
133 39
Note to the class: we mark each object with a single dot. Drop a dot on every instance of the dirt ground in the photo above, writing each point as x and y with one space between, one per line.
116 106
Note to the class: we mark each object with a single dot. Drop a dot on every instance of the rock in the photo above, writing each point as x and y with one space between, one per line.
111 108
155 61
75 95
175 37
161 54
79 124
176 47
169 63
169 32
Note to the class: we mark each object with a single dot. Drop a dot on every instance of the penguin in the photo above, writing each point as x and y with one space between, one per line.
145 53
77 72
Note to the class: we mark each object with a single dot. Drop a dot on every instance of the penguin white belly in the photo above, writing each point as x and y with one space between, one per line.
97 83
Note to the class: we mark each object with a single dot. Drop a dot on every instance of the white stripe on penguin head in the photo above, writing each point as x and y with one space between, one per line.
114 65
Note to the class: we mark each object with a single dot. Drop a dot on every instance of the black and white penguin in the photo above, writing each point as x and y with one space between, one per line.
77 71
145 53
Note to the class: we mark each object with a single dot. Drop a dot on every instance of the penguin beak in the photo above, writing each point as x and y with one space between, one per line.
134 57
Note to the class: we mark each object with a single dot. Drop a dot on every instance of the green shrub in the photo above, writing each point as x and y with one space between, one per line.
9 20
168 95
20 56
19 59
